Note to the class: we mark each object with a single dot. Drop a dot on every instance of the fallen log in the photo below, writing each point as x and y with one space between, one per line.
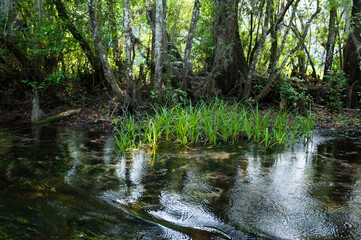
351 109
58 116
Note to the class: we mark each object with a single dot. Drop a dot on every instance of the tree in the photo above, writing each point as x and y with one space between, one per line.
158 44
252 70
229 65
117 51
93 60
27 54
108 72
187 68
40 39
128 47
352 51
273 75
330 38
275 51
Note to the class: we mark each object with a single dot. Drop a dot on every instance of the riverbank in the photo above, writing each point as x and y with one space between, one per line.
100 112
95 112
346 122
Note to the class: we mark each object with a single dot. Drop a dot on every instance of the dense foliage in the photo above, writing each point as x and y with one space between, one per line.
292 52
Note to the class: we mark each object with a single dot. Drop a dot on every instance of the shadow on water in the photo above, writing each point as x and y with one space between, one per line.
68 183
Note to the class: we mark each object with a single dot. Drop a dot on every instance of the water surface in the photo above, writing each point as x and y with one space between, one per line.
60 182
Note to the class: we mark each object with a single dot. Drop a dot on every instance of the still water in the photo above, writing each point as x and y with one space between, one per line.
68 183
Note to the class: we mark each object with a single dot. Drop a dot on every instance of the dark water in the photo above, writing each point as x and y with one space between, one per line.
66 183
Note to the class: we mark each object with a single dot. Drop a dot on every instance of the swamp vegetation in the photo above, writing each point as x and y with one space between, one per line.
212 123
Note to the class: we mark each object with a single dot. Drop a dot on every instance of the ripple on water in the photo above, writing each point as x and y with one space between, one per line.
310 191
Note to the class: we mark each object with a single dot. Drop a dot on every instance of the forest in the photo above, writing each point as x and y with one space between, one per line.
180 119
135 52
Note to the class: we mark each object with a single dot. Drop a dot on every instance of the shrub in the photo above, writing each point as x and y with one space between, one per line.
336 83
293 92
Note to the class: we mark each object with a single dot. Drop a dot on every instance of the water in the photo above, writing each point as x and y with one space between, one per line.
68 183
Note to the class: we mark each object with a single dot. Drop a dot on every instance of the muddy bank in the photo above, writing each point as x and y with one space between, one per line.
93 113
99 113
346 122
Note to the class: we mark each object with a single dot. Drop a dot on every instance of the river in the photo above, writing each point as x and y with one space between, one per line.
60 182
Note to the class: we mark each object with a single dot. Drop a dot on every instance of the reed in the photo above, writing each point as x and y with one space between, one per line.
126 134
151 135
213 123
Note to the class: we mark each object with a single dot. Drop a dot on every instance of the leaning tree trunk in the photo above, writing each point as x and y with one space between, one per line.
273 76
248 83
298 35
108 72
229 65
352 51
330 40
187 52
93 60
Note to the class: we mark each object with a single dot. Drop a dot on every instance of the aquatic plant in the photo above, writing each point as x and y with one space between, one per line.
126 133
212 123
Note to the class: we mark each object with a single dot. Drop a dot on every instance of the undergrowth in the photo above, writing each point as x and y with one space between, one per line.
212 123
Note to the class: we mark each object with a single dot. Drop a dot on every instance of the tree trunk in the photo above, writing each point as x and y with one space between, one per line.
274 25
117 51
330 40
352 51
297 33
253 51
158 45
250 38
187 52
274 44
229 64
108 72
267 89
340 53
248 83
128 46
171 58
302 64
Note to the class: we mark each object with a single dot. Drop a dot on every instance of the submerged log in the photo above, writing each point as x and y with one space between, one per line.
58 116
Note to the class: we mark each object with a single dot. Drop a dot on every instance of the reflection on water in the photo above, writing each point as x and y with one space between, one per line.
70 183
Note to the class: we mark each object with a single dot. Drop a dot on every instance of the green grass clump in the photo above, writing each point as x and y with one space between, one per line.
212 123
